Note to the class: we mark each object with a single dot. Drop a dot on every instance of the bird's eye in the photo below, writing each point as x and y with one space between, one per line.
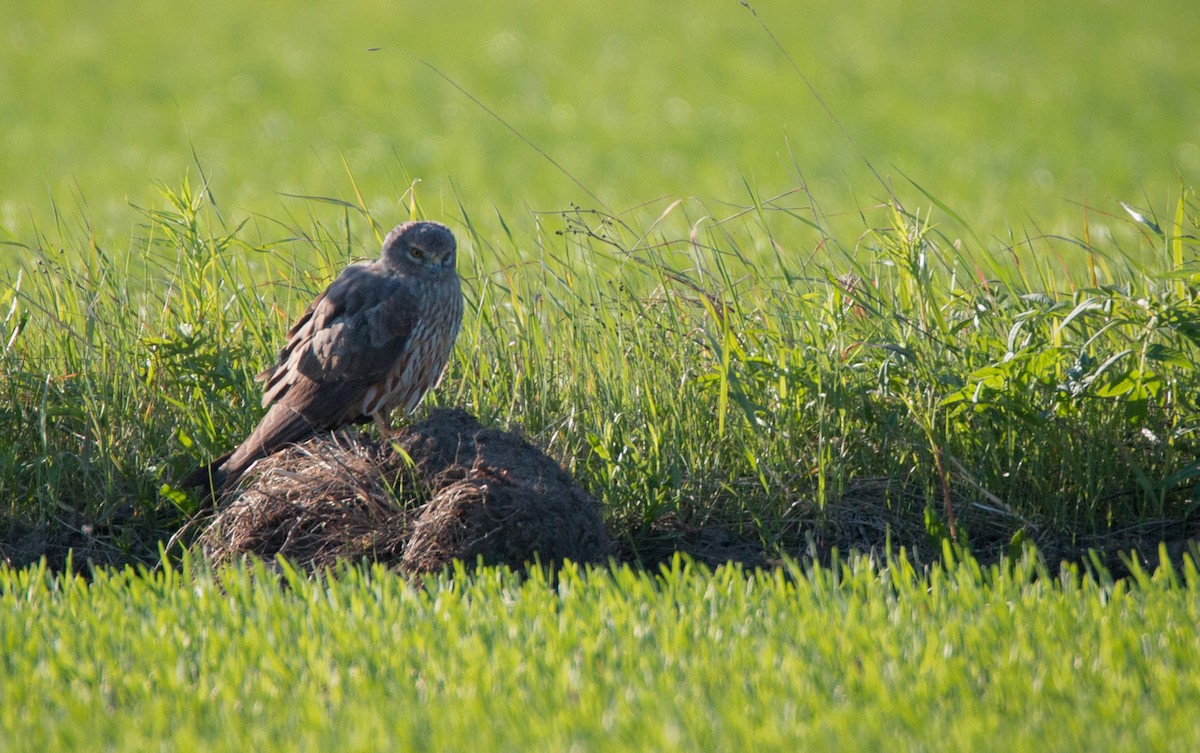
417 253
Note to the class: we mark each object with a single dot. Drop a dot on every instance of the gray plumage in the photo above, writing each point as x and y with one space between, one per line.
378 338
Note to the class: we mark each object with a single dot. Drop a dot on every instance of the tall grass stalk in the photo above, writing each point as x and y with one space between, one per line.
741 367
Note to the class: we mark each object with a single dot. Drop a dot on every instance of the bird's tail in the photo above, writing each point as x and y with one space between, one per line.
280 427
210 478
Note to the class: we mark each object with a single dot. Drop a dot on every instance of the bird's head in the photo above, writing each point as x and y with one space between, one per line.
425 248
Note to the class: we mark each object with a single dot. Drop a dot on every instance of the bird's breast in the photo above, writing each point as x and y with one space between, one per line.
420 363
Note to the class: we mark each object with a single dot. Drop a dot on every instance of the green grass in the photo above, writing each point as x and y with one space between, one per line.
1012 118
855 657
700 368
1016 358
717 313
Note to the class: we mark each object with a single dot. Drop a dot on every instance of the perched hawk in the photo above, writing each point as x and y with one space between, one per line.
378 338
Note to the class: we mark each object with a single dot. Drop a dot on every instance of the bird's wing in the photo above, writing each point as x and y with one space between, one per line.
344 343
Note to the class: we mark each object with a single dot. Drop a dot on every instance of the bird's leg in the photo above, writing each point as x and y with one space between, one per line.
390 436
381 422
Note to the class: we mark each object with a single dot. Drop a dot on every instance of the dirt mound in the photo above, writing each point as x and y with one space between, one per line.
453 490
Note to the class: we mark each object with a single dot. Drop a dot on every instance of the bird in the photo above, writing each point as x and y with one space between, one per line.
377 339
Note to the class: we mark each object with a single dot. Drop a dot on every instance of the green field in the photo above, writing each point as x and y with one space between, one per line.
924 318
1017 118
857 657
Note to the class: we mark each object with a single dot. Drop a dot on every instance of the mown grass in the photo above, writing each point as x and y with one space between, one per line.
859 656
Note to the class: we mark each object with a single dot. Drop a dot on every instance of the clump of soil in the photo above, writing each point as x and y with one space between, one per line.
444 489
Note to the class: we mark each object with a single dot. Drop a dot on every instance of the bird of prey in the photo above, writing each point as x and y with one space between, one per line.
378 338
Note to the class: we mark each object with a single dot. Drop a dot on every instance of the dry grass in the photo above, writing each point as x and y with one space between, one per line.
446 489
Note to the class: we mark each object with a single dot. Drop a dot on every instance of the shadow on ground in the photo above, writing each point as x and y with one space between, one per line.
450 489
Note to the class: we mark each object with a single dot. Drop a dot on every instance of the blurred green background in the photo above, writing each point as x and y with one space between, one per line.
1008 112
